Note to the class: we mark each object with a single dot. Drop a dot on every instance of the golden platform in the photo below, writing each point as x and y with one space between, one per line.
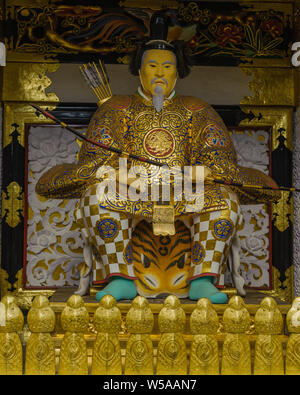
70 334
252 300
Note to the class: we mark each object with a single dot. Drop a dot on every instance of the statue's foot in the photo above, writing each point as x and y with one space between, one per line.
119 288
202 287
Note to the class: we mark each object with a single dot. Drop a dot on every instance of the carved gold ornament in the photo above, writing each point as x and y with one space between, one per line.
11 355
40 352
13 204
139 349
271 86
20 114
204 324
236 347
293 344
75 321
107 351
282 211
284 290
280 119
268 358
28 82
171 352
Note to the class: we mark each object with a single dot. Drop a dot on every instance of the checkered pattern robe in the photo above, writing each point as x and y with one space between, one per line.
109 234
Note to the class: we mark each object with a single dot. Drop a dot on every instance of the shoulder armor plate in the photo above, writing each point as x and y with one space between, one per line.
119 102
193 103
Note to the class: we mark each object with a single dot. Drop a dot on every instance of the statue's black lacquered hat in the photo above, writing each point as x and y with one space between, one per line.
159 32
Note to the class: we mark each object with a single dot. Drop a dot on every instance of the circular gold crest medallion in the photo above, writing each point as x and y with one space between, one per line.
159 143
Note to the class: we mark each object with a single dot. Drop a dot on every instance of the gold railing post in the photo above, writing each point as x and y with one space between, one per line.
40 351
106 351
12 321
171 353
204 324
236 358
73 351
268 354
293 344
139 350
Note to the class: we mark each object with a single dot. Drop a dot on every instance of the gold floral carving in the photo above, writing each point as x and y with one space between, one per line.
236 357
13 204
139 350
268 356
28 82
282 211
107 352
40 351
171 352
204 322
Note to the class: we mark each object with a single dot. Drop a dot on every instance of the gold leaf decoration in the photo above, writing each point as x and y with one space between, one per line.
13 204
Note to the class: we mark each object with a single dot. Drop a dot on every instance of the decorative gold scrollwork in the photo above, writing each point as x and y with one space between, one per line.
13 204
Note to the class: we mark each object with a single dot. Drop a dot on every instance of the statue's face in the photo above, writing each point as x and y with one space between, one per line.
158 69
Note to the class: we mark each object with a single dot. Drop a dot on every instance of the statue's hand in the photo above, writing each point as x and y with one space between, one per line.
206 174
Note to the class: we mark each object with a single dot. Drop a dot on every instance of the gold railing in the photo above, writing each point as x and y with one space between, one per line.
170 352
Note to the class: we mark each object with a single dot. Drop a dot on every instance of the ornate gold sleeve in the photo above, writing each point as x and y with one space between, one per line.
213 147
70 180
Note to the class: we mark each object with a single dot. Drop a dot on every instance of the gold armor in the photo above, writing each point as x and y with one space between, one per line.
186 132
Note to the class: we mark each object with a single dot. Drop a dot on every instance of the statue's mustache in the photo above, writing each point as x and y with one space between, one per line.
159 79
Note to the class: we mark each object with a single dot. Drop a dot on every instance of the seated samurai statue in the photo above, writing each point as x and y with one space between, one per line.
157 124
